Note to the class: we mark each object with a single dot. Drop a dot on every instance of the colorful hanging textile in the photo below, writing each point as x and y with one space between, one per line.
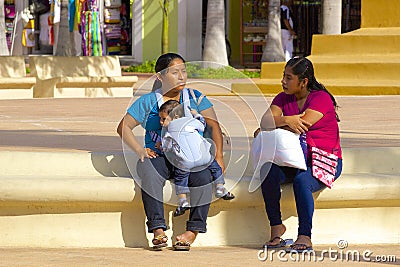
71 14
55 11
90 28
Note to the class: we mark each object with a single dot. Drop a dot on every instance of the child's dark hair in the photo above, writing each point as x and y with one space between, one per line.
162 65
303 68
173 109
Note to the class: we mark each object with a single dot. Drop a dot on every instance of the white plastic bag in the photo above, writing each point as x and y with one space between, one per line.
279 146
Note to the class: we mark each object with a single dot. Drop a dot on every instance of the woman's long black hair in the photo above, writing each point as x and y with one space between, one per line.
162 64
303 68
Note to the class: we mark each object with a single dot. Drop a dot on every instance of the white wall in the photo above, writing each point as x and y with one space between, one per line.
137 30
189 29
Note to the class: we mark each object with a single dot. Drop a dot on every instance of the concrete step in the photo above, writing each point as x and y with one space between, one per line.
358 87
355 187
81 219
364 68
55 164
361 62
78 199
365 41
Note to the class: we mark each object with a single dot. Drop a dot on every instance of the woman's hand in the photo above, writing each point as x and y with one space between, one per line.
151 153
297 124
124 130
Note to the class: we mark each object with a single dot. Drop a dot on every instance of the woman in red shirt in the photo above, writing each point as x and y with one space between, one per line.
307 108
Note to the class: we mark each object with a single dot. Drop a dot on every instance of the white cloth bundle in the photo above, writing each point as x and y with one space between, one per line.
279 146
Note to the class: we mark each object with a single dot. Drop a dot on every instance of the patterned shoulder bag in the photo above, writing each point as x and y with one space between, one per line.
323 164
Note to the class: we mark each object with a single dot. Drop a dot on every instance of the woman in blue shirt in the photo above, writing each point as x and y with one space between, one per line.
153 168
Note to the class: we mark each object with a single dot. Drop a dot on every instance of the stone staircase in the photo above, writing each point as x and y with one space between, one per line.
361 62
77 199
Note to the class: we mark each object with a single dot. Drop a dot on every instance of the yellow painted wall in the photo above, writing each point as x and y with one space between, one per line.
382 13
152 27
234 29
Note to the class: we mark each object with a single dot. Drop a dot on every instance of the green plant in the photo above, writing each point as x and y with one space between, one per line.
146 67
252 74
195 70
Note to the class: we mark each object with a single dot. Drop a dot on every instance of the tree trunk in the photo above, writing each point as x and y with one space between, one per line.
273 51
3 42
332 16
165 28
67 43
214 44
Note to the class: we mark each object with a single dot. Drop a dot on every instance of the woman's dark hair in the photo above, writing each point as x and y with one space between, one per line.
303 68
173 109
162 64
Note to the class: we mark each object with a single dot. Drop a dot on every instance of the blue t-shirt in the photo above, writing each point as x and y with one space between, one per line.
145 111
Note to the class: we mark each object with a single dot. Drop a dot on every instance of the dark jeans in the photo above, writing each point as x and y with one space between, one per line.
153 174
181 177
304 184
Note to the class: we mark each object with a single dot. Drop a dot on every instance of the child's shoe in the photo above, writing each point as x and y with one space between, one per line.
180 210
221 192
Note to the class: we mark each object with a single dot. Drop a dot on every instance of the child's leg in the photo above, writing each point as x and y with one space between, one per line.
218 177
181 179
216 173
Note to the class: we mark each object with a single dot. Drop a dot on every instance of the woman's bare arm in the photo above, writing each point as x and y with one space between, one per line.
273 118
124 130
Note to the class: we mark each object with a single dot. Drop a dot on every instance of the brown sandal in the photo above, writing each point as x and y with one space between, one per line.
299 248
281 244
158 242
182 245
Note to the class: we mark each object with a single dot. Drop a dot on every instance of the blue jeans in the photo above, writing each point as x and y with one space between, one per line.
181 177
154 173
304 184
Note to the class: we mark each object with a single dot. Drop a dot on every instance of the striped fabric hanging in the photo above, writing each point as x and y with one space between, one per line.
90 28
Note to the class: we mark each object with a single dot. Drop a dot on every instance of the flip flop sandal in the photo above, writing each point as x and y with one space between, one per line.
159 240
281 244
228 196
182 246
224 194
294 248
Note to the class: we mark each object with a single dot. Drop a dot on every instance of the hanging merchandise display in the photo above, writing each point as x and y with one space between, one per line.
9 14
112 26
55 11
28 34
112 31
9 11
112 3
54 17
112 15
87 13
118 26
125 29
